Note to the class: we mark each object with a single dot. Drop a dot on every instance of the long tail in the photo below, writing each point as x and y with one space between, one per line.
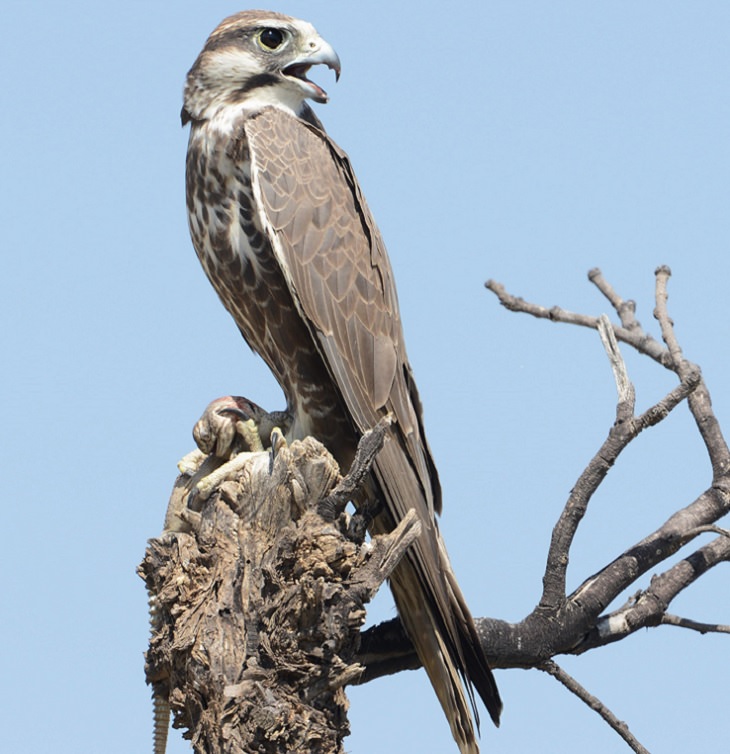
430 604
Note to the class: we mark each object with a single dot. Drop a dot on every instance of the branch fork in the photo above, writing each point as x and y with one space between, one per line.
574 623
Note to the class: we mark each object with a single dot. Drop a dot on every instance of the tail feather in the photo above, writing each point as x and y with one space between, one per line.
430 604
479 673
435 656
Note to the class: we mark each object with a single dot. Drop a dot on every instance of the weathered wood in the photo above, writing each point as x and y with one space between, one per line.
259 605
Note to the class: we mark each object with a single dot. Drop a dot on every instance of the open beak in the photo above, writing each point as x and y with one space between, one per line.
321 53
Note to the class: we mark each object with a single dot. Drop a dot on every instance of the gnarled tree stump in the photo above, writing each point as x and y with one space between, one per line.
258 602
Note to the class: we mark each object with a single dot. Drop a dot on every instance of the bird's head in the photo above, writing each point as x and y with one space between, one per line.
257 58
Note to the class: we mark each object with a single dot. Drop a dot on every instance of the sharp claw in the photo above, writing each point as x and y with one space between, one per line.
278 443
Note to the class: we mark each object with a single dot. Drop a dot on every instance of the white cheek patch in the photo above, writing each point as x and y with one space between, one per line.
227 70
231 64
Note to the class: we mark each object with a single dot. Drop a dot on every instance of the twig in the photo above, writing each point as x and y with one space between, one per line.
703 628
700 404
626 310
666 586
663 273
709 529
368 447
632 334
575 508
555 313
661 409
594 703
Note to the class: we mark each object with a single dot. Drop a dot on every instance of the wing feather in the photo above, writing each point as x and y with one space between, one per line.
343 289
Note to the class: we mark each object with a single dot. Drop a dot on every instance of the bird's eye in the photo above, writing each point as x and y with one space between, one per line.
270 39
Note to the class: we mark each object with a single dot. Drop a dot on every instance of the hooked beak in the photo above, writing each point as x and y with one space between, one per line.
320 53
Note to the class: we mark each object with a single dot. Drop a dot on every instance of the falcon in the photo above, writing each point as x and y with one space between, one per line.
285 236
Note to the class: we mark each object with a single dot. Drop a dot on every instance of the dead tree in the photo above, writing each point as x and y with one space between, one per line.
258 603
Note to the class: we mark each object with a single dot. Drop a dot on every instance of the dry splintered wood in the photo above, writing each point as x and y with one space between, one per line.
259 605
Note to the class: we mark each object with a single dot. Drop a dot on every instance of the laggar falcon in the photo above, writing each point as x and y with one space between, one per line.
285 236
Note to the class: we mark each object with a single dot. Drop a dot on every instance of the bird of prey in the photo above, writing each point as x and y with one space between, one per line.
283 232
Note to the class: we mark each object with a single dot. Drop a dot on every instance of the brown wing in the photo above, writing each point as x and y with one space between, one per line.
338 271
336 267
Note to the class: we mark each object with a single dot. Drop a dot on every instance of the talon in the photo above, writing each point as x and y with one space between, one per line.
278 443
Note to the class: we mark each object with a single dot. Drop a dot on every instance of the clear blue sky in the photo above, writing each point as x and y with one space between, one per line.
523 141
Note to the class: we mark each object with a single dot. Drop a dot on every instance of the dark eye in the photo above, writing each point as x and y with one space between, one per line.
271 38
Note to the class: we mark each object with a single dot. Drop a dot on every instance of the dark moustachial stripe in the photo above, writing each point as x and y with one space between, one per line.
258 82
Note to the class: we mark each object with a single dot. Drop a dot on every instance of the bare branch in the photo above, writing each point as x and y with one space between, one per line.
594 703
602 588
555 313
693 625
554 592
661 314
692 533
660 410
701 404
577 623
575 508
348 486
632 333
624 430
666 586
626 310
647 608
